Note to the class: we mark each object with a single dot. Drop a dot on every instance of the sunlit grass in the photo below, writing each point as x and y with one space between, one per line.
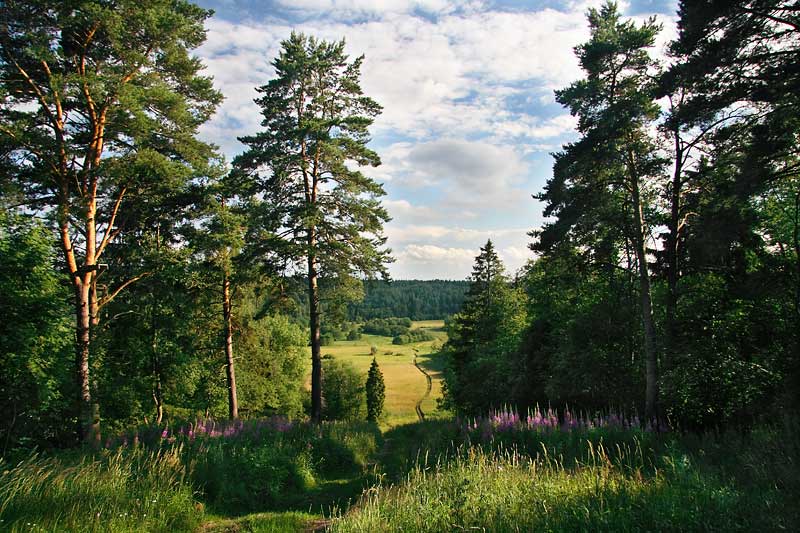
405 384
656 485
273 522
125 490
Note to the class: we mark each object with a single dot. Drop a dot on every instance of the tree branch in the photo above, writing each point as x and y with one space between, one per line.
106 299
110 233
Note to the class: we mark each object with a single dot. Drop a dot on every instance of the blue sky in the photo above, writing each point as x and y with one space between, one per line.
469 117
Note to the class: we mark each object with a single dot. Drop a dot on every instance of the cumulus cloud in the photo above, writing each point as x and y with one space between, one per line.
470 176
467 90
430 261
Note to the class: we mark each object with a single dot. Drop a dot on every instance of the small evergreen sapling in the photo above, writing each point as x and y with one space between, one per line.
376 392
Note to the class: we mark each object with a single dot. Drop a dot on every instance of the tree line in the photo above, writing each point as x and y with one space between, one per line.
667 277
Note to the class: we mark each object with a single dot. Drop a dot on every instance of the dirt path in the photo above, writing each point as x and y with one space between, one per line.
418 407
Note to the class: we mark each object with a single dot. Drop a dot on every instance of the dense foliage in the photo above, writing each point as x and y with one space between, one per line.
415 299
376 392
387 327
343 391
715 298
34 338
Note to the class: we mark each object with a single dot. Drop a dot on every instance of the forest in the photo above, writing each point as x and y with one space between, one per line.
189 343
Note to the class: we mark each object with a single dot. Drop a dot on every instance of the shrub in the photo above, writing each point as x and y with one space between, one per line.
326 340
414 335
342 390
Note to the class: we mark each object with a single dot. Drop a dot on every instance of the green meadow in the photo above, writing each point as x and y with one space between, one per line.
406 386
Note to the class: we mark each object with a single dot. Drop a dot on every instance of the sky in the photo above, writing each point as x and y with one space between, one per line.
469 116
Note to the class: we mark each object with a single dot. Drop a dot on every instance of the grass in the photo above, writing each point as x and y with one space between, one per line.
286 522
167 483
435 475
126 490
597 480
405 384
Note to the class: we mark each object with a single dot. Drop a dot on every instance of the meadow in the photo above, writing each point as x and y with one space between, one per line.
502 472
505 471
406 386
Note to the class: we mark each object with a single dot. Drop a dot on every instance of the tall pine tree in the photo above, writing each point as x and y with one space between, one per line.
319 212
103 100
600 182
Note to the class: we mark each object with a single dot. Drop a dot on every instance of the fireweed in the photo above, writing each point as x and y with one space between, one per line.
508 420
244 465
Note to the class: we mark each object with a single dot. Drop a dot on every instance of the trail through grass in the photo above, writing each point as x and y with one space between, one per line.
406 386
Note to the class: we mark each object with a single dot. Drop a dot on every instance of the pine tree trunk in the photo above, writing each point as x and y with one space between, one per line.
233 405
314 315
673 238
651 354
88 423
158 397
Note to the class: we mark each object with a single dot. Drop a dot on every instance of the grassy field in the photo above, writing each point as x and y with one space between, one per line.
405 384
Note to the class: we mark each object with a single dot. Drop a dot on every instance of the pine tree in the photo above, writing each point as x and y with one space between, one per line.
317 212
376 392
102 103
599 189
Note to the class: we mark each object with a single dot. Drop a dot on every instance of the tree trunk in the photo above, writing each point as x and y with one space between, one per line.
314 314
233 405
158 397
651 354
88 421
673 239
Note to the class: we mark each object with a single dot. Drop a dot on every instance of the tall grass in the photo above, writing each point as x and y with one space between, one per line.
153 478
506 491
598 480
125 490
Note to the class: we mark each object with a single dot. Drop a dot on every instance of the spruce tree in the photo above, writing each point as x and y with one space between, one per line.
376 392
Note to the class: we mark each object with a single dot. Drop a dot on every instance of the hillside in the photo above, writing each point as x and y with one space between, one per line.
415 299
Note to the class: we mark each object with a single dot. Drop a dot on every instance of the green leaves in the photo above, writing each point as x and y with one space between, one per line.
306 163
376 392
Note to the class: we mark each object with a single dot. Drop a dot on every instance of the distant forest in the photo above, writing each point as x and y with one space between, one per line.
415 299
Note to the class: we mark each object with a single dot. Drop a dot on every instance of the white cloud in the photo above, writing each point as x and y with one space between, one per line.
427 261
472 176
461 87
453 249
348 8
449 76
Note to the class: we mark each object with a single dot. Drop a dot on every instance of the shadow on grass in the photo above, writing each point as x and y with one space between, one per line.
327 474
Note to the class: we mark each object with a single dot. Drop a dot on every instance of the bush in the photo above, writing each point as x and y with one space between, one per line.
354 335
387 327
414 335
326 340
342 390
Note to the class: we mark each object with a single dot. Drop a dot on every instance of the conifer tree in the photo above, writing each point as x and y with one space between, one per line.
317 212
376 392
599 189
102 103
